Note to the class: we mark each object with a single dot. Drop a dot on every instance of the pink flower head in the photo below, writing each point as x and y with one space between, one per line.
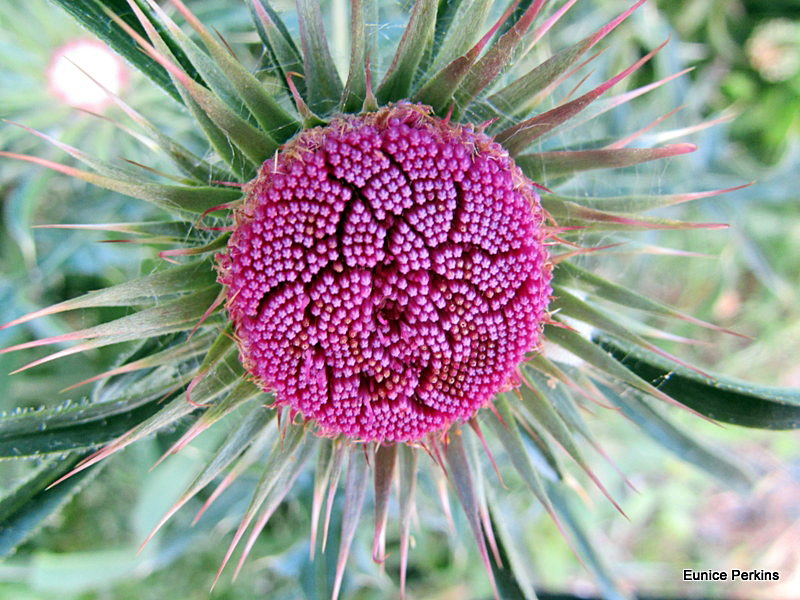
387 274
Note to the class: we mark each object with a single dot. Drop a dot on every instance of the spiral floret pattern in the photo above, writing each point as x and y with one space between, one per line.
387 274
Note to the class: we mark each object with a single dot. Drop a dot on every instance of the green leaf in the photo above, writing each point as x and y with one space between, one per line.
458 25
439 90
253 454
103 167
475 458
518 137
460 472
569 274
79 436
521 94
571 306
600 359
634 203
210 71
279 459
189 163
516 97
220 371
322 475
418 34
239 143
208 385
240 394
322 81
363 12
551 421
172 231
557 393
218 351
602 106
282 54
355 492
340 447
539 407
583 545
719 398
176 315
508 433
541 453
292 468
151 353
407 478
500 55
232 156
25 508
545 166
514 578
385 462
245 87
144 290
81 425
178 199
257 144
569 214
636 407
167 416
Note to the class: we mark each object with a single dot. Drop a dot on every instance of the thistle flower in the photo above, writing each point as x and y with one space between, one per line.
359 271
387 273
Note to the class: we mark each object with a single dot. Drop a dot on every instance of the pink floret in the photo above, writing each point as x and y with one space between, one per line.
387 274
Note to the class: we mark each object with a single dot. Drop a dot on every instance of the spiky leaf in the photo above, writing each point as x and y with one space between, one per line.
30 503
719 398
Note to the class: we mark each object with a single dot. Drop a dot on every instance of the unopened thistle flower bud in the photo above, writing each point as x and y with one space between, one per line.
387 273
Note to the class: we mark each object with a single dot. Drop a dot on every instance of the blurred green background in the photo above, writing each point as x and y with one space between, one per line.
746 56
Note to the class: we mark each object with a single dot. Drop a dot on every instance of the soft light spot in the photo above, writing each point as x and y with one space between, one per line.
78 67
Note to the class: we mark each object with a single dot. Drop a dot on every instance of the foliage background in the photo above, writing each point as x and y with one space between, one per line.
679 519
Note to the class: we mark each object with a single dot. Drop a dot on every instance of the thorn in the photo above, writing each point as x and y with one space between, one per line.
637 134
497 414
477 429
154 171
192 384
444 499
225 43
226 206
214 306
309 118
449 114
567 255
370 101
